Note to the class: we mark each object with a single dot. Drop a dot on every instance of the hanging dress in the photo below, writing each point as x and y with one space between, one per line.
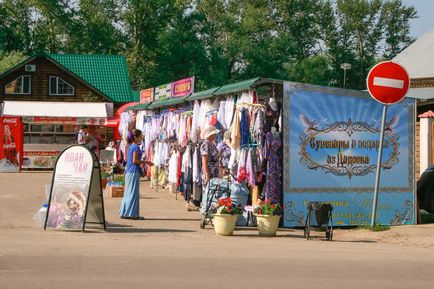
272 188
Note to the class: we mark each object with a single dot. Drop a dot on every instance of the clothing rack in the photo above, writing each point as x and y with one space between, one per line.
186 109
250 104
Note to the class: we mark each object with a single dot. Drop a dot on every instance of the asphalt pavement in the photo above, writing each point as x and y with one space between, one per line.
169 250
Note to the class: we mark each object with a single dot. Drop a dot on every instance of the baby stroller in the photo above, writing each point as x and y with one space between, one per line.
217 189
323 219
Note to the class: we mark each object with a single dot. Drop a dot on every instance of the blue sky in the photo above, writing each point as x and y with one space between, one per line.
425 22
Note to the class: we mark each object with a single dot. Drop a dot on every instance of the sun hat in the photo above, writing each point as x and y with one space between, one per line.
273 104
209 131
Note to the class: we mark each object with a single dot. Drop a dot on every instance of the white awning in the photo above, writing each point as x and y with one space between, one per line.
418 57
421 93
58 109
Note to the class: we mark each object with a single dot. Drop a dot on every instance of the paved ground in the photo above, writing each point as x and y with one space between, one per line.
168 250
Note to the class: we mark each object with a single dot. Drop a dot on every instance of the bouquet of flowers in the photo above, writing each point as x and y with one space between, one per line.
268 208
225 206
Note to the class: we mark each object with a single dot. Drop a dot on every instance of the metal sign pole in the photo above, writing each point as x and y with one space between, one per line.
377 176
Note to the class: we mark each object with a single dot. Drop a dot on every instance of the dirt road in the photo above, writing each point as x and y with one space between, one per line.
168 250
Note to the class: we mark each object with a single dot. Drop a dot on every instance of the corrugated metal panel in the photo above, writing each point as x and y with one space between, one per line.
166 102
202 94
237 86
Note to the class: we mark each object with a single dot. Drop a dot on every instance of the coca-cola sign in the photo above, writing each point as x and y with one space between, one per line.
11 144
11 120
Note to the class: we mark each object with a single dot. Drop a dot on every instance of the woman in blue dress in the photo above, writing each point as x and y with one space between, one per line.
130 207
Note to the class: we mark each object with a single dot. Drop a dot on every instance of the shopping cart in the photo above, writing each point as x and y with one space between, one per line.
217 189
319 215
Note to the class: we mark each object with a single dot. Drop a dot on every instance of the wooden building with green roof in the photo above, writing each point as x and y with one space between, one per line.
55 94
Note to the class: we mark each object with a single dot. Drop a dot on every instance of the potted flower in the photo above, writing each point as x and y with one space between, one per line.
268 217
226 216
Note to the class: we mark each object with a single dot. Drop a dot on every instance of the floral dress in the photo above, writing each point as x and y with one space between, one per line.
209 149
272 188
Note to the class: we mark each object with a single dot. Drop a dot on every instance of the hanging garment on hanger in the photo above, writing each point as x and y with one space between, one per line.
251 166
242 163
244 128
221 116
229 111
272 156
235 133
187 171
188 127
182 137
271 118
173 168
194 125
197 165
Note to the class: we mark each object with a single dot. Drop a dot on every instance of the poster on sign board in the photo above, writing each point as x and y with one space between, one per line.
163 91
11 144
147 95
331 139
39 159
75 190
183 87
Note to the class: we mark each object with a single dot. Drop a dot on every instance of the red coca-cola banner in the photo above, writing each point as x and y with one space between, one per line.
11 144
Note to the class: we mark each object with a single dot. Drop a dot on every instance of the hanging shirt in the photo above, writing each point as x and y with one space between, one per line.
173 168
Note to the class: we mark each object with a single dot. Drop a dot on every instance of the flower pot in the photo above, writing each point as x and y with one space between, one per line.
103 183
267 225
224 224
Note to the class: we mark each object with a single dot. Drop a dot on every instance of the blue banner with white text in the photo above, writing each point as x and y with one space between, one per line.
332 140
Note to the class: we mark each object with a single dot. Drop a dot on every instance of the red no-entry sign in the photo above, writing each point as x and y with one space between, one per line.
388 82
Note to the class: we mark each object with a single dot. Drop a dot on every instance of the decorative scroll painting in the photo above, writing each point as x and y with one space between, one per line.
331 141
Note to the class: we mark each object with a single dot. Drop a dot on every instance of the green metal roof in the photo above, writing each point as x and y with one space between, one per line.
106 73
166 102
237 86
136 94
202 94
140 106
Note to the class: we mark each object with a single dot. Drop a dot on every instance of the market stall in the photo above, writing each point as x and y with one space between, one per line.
247 111
49 127
328 137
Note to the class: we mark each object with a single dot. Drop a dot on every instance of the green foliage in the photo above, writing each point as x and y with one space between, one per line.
268 208
10 59
218 41
119 179
377 228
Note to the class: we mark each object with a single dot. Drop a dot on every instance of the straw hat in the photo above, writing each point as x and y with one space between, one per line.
209 131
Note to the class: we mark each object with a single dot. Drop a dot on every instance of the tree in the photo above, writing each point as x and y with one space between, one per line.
95 29
15 31
355 31
10 59
396 20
